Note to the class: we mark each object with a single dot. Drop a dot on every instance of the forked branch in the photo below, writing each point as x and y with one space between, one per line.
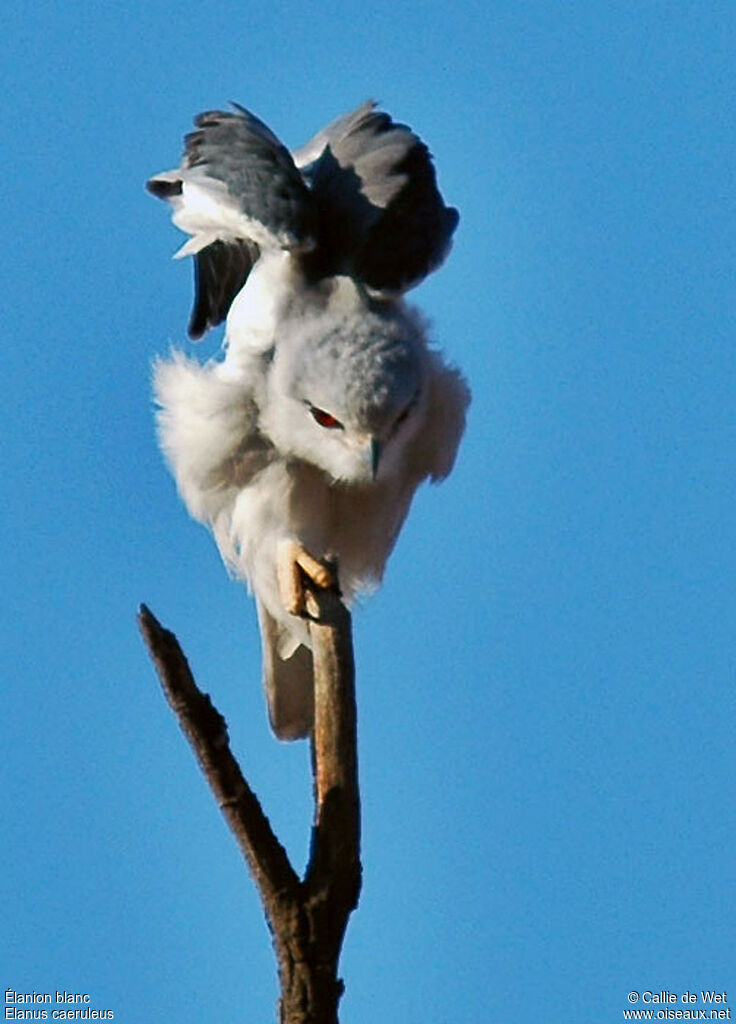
308 917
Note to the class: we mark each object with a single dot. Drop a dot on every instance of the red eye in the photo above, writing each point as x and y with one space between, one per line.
325 419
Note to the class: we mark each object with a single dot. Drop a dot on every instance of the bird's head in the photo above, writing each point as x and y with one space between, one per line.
344 393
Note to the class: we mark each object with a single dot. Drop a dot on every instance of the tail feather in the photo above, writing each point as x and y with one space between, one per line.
288 682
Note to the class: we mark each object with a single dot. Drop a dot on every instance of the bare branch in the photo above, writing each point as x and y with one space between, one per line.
307 919
206 730
336 840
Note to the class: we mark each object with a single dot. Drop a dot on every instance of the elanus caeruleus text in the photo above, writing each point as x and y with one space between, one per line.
328 409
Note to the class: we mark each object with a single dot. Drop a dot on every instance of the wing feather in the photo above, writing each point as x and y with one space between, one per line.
382 217
220 271
361 199
236 191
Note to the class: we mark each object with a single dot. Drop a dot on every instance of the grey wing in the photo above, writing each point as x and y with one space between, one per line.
236 191
382 218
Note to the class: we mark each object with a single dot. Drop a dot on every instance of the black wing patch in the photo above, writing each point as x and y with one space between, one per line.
220 271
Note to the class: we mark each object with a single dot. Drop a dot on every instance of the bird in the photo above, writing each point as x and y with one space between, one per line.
302 442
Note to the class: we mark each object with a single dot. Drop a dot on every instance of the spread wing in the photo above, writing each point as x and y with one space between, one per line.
360 199
382 218
237 190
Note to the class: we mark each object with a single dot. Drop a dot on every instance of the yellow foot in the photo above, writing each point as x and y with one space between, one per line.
293 562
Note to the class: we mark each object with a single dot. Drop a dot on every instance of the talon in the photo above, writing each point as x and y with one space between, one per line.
291 561
315 570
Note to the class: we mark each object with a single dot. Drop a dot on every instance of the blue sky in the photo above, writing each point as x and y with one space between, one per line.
546 679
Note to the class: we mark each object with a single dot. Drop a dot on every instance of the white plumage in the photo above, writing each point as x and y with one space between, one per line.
310 437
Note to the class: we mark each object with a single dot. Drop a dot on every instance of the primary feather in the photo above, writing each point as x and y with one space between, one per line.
329 407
